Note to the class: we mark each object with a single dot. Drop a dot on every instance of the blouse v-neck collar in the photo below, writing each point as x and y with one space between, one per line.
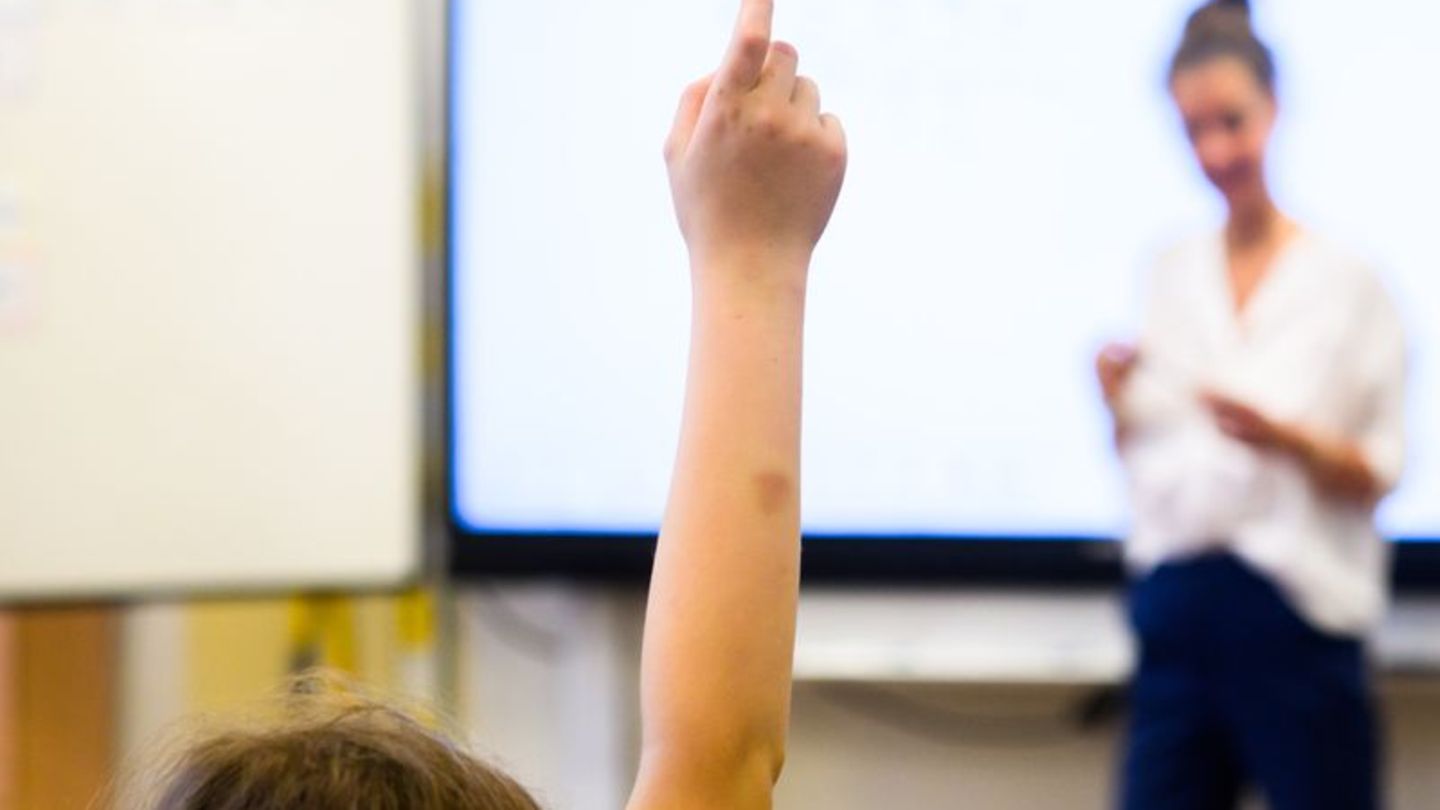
1239 324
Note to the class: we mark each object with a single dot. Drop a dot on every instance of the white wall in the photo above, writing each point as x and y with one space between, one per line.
549 685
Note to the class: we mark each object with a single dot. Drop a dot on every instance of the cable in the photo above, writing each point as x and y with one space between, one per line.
519 631
937 721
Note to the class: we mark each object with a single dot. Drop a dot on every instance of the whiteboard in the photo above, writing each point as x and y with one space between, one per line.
210 281
949 354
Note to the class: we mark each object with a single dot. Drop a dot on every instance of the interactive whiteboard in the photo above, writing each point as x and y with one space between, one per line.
1014 169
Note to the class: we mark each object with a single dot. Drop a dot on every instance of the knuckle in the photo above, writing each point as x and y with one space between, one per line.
768 123
723 117
753 45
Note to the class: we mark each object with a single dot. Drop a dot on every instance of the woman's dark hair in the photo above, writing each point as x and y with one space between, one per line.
1222 28
323 746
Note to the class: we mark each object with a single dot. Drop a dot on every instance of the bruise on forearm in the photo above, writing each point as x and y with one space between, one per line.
775 491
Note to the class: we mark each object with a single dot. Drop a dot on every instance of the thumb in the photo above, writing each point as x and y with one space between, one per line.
692 101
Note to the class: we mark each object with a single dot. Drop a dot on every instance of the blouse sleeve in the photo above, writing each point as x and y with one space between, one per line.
1155 390
1382 369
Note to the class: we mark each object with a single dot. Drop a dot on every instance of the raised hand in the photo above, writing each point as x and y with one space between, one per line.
755 169
755 166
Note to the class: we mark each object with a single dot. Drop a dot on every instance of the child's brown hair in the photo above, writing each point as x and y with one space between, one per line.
331 748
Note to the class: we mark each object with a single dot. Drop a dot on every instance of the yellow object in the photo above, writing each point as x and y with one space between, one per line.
236 651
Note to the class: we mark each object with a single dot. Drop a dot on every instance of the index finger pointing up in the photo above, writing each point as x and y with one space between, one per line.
749 45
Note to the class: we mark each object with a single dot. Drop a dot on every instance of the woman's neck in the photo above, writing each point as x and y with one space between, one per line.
1255 236
1256 224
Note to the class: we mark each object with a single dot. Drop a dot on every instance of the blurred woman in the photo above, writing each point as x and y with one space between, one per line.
1260 421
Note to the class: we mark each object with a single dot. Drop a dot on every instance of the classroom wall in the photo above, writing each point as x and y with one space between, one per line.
543 677
549 674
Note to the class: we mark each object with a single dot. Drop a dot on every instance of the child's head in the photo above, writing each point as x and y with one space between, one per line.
330 749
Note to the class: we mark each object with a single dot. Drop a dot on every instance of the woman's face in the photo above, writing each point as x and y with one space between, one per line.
1228 116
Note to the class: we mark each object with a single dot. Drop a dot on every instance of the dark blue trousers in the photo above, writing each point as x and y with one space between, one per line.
1235 689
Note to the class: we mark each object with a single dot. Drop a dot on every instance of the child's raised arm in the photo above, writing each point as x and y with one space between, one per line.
755 169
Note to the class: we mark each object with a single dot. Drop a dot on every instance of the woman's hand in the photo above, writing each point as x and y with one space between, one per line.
1113 367
1246 424
1335 466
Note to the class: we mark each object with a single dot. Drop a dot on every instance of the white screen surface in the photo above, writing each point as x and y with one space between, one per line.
1013 168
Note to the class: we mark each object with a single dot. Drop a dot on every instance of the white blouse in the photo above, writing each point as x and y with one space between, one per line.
1318 345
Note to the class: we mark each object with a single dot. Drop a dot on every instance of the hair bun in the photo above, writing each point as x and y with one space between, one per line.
1223 28
1220 17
